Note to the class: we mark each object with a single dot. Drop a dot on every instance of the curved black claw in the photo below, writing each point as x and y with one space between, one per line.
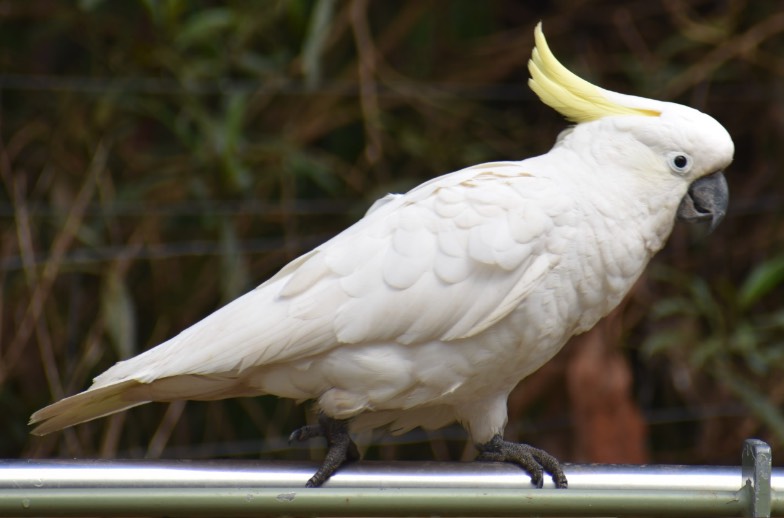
533 460
305 433
340 447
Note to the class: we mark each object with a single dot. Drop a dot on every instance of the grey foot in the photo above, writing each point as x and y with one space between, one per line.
340 447
533 460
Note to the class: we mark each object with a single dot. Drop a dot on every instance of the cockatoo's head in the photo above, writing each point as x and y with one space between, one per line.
661 140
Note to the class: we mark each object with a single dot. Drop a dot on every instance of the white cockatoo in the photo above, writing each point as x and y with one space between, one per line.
432 307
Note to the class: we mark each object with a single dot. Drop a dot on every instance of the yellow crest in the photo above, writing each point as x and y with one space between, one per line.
570 95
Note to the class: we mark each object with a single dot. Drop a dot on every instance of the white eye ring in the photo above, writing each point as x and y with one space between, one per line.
679 162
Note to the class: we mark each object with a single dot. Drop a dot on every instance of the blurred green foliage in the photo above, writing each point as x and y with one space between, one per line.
730 334
159 158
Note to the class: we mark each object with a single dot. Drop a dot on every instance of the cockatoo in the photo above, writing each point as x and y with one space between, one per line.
434 305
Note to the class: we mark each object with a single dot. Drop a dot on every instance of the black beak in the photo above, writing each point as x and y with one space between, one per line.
706 200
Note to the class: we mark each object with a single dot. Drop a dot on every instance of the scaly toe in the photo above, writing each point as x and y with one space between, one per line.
533 460
340 448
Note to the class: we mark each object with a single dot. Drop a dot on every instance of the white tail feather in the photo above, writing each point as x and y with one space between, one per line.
82 407
108 399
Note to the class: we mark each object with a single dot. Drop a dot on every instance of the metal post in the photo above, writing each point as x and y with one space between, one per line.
757 462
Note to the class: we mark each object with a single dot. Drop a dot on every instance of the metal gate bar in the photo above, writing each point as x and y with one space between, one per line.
255 488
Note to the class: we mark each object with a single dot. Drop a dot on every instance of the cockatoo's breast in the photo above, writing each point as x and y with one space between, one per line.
609 230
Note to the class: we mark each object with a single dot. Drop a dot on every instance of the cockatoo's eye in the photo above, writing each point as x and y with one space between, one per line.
679 162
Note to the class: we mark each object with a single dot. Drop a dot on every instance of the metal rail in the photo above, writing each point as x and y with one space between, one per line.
253 488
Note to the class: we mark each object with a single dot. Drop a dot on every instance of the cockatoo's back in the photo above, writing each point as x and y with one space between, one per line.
433 306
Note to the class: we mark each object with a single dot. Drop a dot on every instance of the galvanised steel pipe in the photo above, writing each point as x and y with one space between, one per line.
255 488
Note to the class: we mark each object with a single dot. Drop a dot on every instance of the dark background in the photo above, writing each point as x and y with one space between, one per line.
159 158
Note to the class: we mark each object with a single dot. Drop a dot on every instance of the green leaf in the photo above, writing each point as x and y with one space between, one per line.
761 281
707 349
229 136
662 341
164 11
744 338
302 164
89 5
205 26
119 314
313 47
234 270
673 306
704 300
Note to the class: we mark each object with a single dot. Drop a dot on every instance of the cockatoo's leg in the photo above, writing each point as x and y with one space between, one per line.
340 447
532 460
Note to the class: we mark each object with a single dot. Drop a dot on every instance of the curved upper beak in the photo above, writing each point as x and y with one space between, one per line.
706 200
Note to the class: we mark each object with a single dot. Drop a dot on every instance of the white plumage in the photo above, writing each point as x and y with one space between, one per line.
438 302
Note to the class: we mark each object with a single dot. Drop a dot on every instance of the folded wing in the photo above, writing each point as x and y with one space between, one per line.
443 262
